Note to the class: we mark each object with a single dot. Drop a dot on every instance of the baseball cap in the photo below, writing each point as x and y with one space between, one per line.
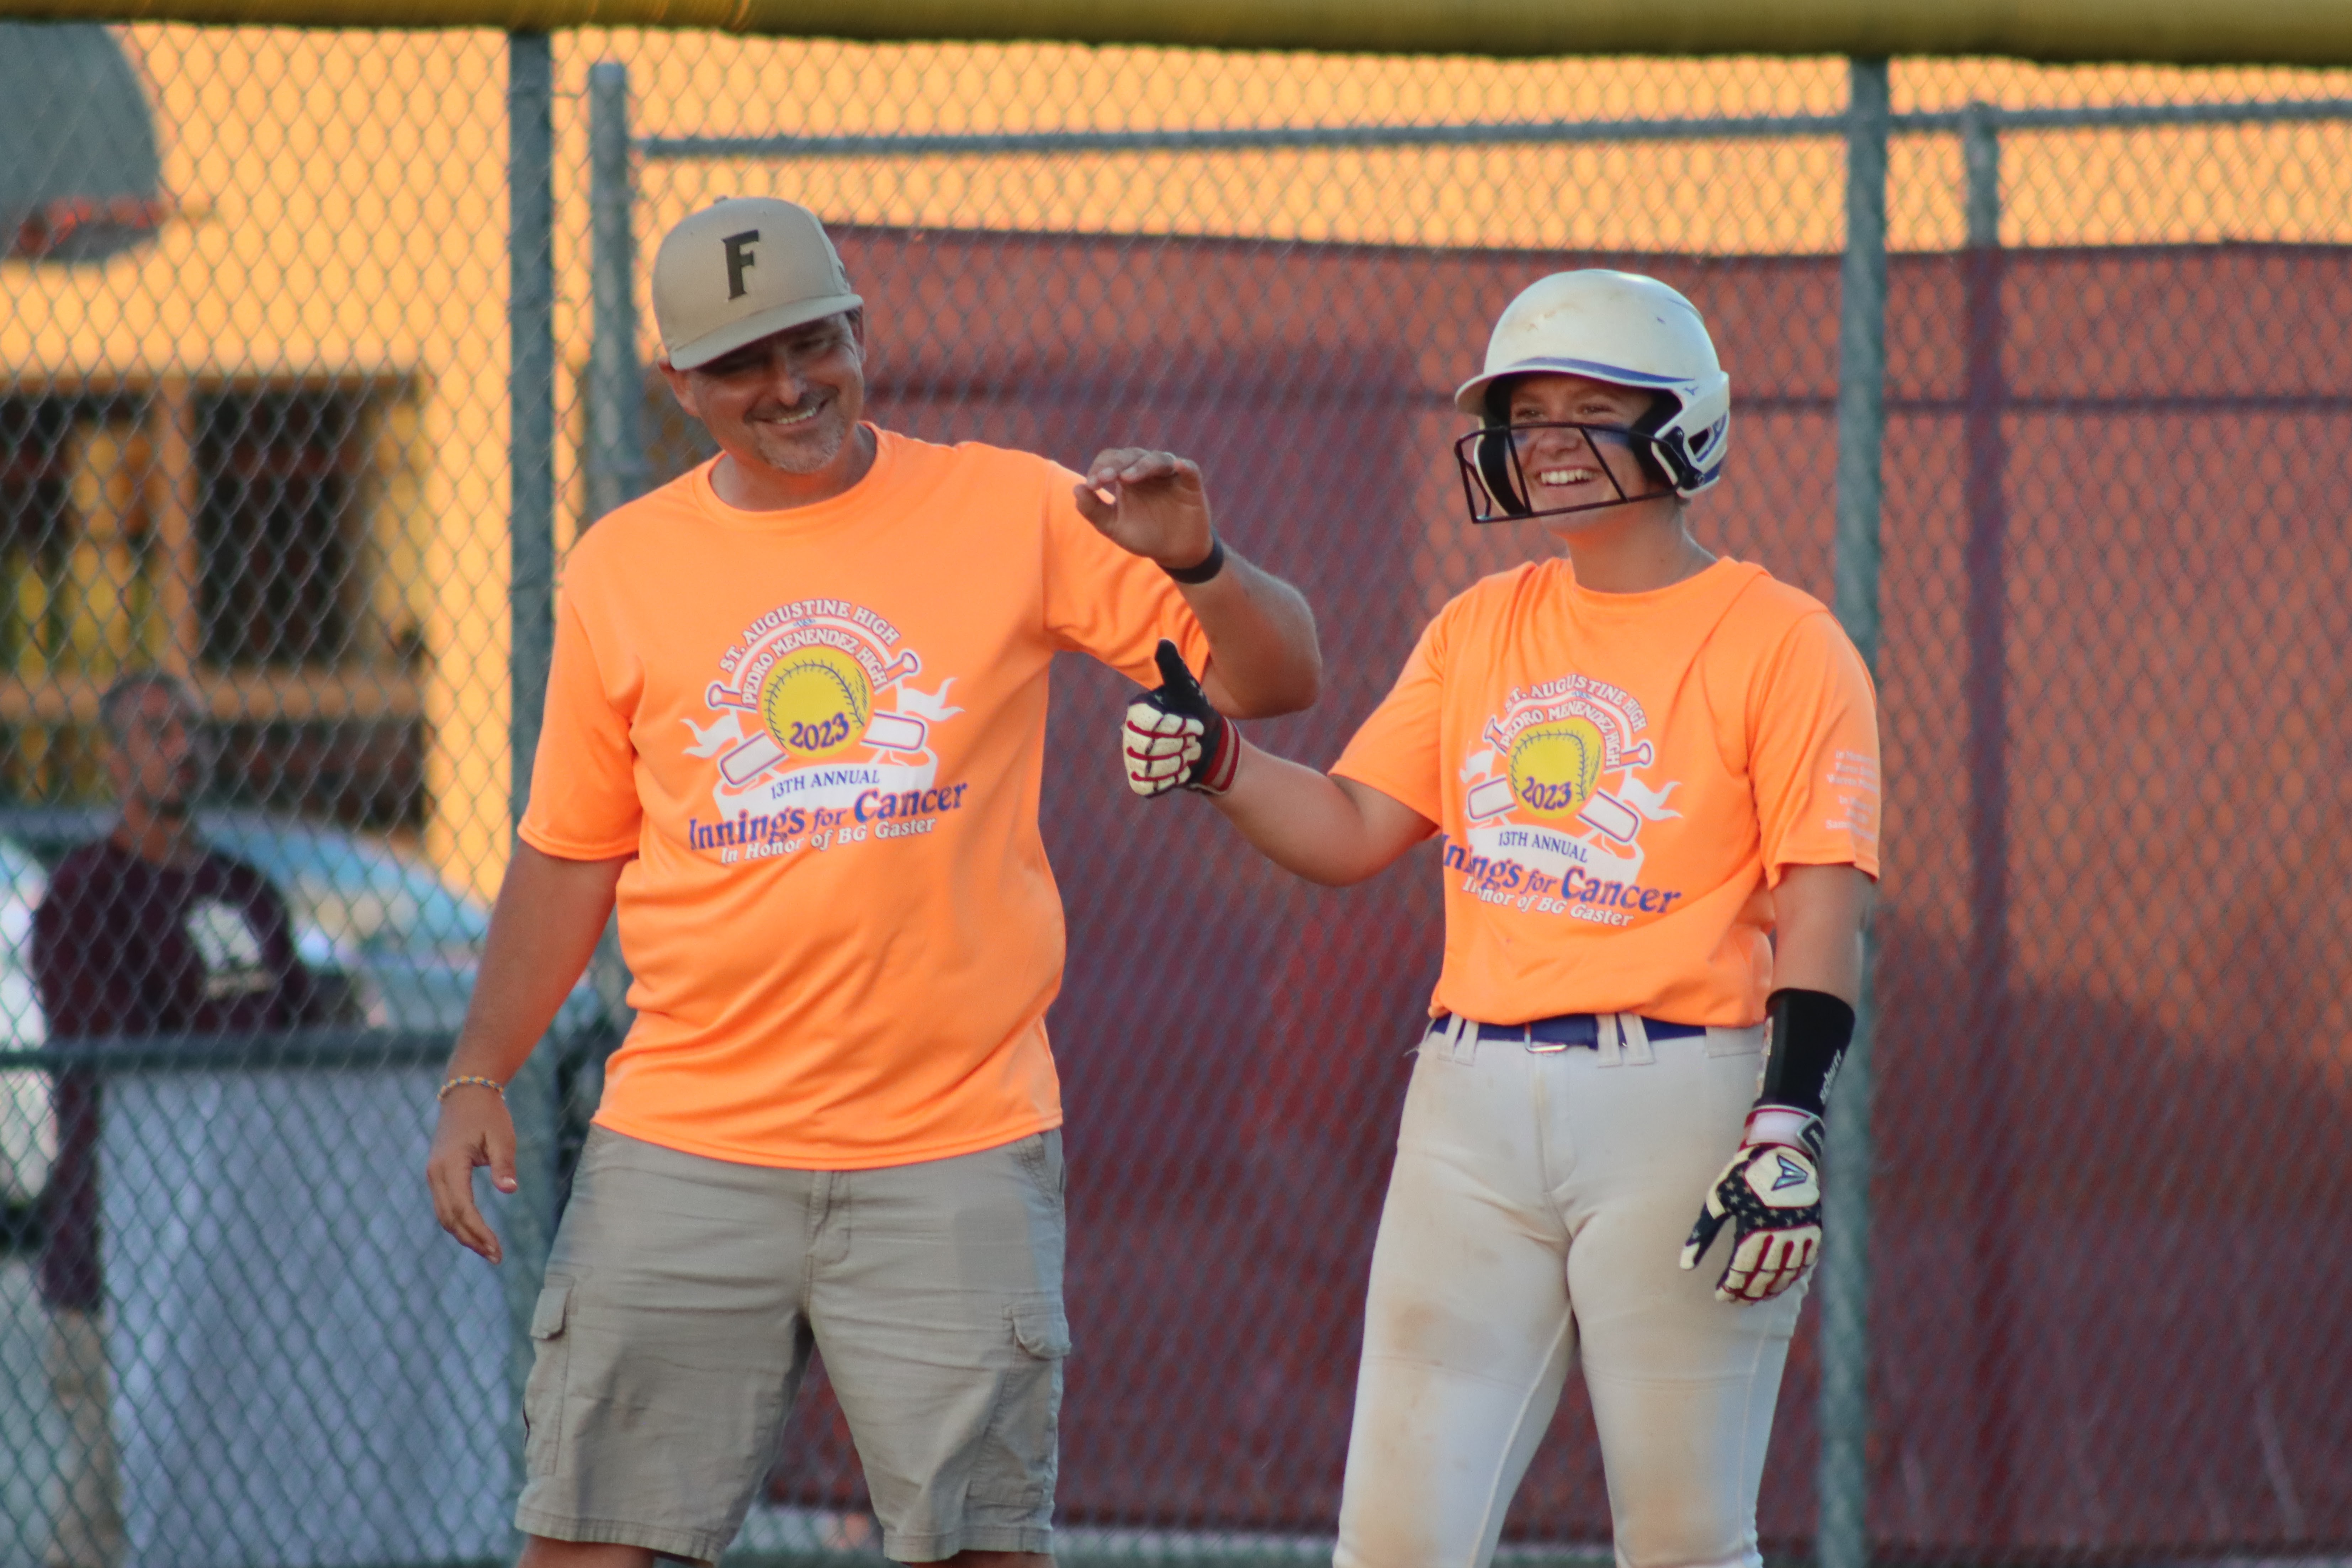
739 270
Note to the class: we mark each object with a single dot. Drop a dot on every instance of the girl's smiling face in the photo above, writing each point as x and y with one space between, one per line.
1567 467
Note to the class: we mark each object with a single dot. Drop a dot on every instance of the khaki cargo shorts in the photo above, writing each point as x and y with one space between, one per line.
684 1295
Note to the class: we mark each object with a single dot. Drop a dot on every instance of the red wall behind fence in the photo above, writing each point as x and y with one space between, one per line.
2112 1290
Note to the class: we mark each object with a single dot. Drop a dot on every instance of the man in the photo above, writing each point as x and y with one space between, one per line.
145 932
796 721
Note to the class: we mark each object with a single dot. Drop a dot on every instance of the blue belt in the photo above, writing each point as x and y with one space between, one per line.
1565 1030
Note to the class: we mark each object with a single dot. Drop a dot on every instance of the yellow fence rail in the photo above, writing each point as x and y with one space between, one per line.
2179 32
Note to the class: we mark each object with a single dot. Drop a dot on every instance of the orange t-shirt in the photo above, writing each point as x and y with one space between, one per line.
1621 779
821 732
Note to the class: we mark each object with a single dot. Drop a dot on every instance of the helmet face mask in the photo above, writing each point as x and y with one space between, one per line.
1494 481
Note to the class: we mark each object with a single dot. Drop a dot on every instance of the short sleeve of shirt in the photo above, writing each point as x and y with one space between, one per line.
1814 759
1396 750
1103 601
584 790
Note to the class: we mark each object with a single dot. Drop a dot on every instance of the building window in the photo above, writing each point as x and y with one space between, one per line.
277 481
264 539
77 579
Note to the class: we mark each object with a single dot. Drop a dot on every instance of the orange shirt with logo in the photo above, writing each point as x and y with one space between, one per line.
821 732
1621 779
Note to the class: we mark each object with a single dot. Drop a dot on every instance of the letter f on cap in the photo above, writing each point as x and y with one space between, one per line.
738 257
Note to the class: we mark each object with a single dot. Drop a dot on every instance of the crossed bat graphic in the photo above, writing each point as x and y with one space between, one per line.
884 732
1602 812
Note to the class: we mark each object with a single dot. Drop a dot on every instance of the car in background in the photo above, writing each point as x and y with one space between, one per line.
389 939
28 1141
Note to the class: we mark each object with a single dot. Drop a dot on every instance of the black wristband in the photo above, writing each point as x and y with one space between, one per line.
1809 1033
1202 570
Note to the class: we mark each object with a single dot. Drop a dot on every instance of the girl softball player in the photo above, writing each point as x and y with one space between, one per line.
1655 773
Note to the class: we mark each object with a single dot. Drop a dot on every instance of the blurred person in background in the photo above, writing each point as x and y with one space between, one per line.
144 932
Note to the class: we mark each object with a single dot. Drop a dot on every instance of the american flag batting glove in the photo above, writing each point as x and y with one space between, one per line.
1770 1195
1175 738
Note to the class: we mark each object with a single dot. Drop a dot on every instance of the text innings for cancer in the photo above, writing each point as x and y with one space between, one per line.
878 814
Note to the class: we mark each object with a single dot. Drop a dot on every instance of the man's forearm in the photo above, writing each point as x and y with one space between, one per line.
544 931
1263 656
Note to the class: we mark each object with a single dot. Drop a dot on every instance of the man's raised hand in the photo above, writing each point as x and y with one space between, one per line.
1151 504
1175 738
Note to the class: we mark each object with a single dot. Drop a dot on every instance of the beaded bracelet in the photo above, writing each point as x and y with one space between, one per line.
493 1085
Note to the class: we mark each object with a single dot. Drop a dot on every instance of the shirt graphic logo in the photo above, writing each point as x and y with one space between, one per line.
1555 806
819 727
226 946
816 704
1555 743
1554 767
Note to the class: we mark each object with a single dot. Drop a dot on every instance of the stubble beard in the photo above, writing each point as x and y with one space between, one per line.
802 448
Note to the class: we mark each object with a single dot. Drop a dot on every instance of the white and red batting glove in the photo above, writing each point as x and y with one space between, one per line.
1770 1195
1175 738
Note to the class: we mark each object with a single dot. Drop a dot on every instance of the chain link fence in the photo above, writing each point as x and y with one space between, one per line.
255 433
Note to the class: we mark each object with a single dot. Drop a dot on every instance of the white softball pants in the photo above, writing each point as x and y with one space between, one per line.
1536 1215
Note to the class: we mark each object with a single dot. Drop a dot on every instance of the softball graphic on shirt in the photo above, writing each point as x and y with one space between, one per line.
816 707
1557 787
1554 768
817 704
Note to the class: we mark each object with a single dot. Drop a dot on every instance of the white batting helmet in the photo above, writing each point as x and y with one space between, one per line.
1629 330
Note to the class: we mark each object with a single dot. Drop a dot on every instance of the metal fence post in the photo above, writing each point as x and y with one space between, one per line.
531 330
616 458
616 469
531 324
1988 1125
1841 1539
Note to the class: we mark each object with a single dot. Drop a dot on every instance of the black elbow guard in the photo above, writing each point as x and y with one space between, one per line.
1810 1031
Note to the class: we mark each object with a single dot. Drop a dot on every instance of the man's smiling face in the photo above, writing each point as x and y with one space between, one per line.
786 401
